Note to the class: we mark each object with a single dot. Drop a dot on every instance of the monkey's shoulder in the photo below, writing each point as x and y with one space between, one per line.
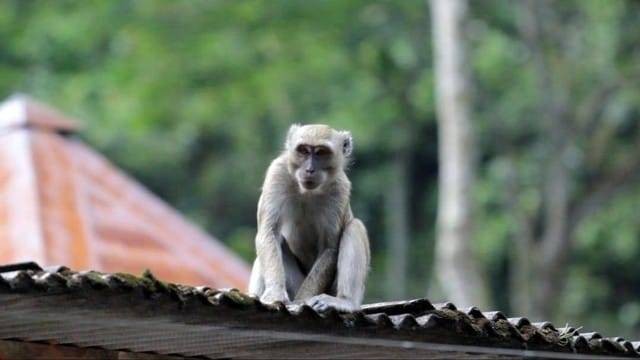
277 171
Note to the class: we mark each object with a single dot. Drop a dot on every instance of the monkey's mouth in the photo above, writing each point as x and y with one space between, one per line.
309 184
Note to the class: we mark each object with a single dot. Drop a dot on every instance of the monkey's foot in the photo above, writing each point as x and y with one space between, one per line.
324 302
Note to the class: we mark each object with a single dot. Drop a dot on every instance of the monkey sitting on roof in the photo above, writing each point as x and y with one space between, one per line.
310 248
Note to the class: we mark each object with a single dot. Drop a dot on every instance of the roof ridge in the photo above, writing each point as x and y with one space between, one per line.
20 110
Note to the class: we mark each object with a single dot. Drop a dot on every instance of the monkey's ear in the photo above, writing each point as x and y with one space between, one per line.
290 134
347 143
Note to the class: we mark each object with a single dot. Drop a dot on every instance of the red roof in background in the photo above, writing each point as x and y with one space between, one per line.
63 203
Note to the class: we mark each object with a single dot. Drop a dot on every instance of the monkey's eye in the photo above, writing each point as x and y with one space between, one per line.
321 151
302 150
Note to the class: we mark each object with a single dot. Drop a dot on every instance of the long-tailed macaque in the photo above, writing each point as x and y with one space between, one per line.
309 246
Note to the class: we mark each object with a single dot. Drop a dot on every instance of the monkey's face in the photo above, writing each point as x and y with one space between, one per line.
312 166
317 153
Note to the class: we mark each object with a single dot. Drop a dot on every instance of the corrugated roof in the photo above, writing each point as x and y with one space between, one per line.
143 314
64 203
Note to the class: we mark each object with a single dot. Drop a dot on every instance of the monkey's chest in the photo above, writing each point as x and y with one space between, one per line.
308 235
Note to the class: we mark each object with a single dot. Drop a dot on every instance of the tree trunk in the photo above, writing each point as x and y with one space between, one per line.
556 239
552 108
522 245
456 268
397 225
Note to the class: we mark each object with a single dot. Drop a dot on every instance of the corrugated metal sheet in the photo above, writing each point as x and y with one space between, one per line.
121 312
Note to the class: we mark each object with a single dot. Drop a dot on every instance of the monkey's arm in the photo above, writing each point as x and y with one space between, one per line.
268 247
321 275
269 255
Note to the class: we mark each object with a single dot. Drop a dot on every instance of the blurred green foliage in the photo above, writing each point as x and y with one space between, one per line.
193 97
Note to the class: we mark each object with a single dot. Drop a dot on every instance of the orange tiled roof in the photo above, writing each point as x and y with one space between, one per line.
64 203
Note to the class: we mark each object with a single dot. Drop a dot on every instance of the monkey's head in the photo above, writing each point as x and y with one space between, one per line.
316 155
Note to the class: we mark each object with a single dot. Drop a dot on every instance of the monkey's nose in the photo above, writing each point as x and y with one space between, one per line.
310 171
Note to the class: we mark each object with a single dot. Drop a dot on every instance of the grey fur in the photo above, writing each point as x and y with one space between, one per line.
309 246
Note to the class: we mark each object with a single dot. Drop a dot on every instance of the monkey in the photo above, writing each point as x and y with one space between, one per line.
309 247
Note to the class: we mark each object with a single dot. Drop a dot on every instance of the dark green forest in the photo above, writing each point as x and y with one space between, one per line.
193 98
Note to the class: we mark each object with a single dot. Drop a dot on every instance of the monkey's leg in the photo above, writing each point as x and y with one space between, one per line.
320 276
352 269
293 273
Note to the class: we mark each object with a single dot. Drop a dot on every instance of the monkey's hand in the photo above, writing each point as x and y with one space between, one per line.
324 302
272 295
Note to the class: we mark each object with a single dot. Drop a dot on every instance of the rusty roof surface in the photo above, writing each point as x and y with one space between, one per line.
64 203
143 314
